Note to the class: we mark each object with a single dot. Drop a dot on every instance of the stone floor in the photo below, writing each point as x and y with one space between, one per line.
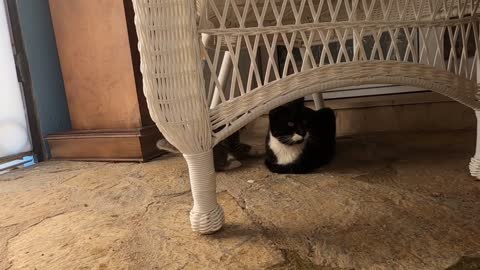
388 201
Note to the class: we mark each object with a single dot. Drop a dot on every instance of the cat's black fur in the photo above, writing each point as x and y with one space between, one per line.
319 145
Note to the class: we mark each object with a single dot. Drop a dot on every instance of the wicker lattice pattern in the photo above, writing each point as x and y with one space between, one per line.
439 34
431 44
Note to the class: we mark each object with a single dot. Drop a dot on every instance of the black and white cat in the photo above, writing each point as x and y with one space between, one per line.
300 139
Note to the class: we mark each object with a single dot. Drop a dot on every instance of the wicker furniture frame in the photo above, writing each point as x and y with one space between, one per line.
192 52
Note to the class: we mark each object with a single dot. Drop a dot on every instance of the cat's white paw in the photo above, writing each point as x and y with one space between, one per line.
233 164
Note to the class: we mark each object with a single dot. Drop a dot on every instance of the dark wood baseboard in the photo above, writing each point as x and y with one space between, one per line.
106 145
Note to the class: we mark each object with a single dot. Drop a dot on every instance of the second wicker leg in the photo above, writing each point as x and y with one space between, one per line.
475 161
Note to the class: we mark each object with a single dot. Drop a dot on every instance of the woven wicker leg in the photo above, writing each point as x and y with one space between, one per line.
206 216
318 101
317 97
222 77
475 161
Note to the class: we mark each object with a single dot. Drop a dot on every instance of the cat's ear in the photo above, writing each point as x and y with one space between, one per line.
277 109
296 103
299 101
277 113
309 115
273 114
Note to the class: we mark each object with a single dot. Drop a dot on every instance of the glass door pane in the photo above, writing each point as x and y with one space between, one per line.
14 132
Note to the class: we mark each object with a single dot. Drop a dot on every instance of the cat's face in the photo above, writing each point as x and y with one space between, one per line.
289 123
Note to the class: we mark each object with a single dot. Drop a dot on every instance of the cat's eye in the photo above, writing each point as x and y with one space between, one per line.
290 124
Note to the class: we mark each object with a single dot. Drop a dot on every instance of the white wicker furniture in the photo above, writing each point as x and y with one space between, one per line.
430 44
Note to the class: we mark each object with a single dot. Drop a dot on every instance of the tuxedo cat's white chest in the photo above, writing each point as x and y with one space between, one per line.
285 154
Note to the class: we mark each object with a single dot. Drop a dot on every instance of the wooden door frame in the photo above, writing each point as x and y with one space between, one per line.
24 78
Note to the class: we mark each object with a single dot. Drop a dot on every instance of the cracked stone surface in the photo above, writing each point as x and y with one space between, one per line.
388 201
